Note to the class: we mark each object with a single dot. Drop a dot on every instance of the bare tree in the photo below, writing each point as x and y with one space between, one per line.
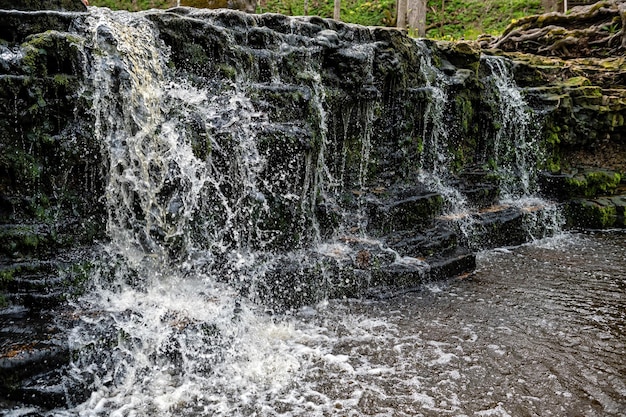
401 14
337 10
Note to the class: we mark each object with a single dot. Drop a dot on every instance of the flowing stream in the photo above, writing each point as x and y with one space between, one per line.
166 328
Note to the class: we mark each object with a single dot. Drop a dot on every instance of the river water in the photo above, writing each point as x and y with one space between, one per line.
537 330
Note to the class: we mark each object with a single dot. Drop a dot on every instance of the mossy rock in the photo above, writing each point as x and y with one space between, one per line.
601 213
593 183
32 5
577 82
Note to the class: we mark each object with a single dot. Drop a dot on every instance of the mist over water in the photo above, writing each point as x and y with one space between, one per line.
171 324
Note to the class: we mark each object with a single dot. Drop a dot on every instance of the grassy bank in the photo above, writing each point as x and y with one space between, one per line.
446 19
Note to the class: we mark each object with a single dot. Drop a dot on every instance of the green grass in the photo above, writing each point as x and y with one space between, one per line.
133 5
458 19
447 19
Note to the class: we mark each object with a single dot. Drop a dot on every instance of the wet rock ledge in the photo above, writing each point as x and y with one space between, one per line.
53 174
32 5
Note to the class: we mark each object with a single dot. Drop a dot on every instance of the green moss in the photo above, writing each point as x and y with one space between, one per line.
76 277
577 82
593 184
591 215
227 71
197 56
20 240
553 164
63 79
604 182
616 120
6 276
466 110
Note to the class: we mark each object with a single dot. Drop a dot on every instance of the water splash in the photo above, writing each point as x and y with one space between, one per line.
161 315
434 158
435 170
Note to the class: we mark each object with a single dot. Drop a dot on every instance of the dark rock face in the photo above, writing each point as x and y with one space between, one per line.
358 99
31 5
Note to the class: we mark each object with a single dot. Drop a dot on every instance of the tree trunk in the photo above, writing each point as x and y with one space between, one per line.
401 18
306 7
417 17
337 11
552 5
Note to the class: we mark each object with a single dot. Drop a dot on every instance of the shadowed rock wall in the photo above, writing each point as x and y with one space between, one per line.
60 5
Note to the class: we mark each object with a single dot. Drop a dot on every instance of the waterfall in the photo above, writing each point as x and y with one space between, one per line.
162 332
516 148
434 158
213 215
435 170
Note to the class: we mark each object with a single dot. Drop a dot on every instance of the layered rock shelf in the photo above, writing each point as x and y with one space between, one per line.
573 70
338 102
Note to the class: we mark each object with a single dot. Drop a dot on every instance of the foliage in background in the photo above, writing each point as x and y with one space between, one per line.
370 13
134 5
457 19
446 19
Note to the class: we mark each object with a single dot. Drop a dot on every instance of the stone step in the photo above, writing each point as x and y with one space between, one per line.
504 225
36 283
597 213
581 183
34 375
33 284
21 361
440 239
36 300
460 262
47 390
405 214
479 186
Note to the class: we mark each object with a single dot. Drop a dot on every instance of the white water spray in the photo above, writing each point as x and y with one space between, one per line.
161 333
516 148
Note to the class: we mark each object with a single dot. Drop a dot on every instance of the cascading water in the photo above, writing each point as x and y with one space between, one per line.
517 150
173 323
435 162
168 337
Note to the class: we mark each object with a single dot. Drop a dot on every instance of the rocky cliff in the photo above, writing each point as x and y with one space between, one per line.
364 140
